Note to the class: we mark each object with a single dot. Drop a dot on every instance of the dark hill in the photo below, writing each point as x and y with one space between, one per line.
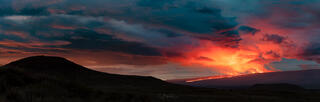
276 87
308 79
56 79
63 69
46 63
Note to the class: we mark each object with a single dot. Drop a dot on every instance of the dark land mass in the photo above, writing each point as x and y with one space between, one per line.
55 79
309 79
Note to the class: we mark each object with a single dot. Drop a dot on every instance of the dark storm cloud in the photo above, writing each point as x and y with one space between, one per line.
88 39
312 49
205 59
186 15
296 19
146 27
285 14
274 38
208 10
24 11
248 30
310 52
273 54
78 31
295 14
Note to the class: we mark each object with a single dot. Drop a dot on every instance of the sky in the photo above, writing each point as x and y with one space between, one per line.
167 39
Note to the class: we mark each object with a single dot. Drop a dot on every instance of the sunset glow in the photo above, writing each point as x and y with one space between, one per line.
200 37
245 59
211 77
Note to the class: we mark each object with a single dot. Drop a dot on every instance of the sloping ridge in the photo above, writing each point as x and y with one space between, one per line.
47 64
55 79
63 69
305 78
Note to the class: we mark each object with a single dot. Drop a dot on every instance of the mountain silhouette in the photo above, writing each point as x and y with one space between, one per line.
61 68
56 79
275 87
46 63
305 78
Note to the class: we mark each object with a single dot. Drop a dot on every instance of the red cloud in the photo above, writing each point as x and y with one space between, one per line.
33 44
20 34
63 27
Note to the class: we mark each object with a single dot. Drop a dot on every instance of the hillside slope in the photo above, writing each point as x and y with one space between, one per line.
55 79
305 78
63 69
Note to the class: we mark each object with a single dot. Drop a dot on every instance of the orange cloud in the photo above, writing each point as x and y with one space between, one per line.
33 44
63 27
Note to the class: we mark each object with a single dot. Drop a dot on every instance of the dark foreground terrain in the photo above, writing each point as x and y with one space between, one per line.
309 79
55 79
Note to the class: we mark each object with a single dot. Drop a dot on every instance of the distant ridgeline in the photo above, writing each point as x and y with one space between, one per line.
55 79
309 79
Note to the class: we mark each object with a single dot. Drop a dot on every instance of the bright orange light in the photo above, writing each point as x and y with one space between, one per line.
235 60
225 60
208 78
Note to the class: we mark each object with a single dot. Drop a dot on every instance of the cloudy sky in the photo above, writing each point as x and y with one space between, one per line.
167 39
